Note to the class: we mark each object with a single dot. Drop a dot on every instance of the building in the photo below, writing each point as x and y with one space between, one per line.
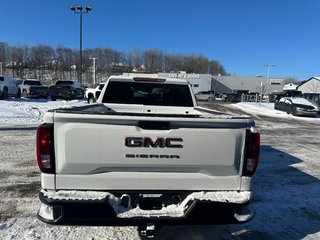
198 82
290 86
312 85
229 84
222 84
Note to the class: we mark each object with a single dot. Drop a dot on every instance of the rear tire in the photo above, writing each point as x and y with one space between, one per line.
18 94
90 99
24 94
4 95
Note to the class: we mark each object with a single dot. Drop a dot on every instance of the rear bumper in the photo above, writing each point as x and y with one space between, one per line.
135 209
62 95
306 113
38 95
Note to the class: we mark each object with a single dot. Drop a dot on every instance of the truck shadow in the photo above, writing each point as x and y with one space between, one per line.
286 202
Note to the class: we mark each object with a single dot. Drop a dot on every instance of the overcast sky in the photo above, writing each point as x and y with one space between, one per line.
243 35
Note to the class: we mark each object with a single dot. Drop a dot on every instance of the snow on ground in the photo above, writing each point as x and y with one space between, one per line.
30 111
267 109
286 185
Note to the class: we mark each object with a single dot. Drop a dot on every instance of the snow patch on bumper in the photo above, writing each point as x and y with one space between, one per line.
173 210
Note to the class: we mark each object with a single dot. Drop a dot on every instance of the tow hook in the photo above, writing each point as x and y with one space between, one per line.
149 231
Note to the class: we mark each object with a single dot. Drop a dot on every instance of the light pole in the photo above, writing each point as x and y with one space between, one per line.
94 69
1 68
268 74
78 9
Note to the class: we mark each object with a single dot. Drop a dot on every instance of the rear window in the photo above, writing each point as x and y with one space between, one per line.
148 94
64 83
34 83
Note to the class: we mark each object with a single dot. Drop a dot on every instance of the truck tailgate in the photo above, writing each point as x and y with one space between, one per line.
129 153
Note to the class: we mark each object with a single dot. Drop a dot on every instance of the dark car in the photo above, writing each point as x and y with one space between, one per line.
296 106
235 96
273 97
66 89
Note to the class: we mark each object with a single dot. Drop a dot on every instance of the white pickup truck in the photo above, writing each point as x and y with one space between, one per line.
146 155
8 88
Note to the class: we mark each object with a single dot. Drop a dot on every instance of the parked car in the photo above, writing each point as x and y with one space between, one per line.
205 96
8 88
32 88
235 96
92 94
67 90
313 98
285 93
296 106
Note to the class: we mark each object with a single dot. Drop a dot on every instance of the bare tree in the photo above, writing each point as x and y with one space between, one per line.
196 64
62 62
153 60
174 62
215 68
3 52
41 59
135 58
19 59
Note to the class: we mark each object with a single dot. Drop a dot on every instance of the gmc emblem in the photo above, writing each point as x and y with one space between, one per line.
146 142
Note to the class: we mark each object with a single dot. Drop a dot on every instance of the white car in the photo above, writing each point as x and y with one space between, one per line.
205 96
92 94
8 88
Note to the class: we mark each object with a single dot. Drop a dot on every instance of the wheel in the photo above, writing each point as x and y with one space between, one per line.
4 93
210 99
24 94
18 95
91 100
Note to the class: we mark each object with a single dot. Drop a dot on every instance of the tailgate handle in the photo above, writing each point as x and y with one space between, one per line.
154 125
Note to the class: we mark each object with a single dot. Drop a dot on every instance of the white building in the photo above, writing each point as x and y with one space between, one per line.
312 85
198 82
222 84
229 84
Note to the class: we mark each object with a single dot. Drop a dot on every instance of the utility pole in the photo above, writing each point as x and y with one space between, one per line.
94 69
78 9
268 75
1 72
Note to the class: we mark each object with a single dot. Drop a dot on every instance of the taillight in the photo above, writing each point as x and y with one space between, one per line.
252 152
45 150
145 79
